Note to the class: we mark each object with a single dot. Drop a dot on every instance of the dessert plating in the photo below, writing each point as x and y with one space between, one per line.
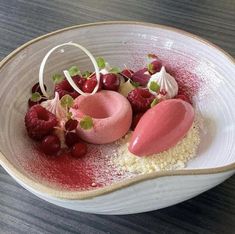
141 115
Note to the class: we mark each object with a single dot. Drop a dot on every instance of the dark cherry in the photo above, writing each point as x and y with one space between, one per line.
79 150
50 144
110 82
36 88
71 138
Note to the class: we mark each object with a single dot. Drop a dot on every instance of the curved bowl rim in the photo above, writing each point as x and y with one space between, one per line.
81 195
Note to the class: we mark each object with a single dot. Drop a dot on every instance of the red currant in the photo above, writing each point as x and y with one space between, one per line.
79 150
90 84
110 82
50 144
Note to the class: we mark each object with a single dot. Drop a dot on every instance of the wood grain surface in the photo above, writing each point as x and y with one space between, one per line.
22 20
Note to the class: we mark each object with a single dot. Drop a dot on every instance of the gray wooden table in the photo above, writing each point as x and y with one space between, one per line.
22 20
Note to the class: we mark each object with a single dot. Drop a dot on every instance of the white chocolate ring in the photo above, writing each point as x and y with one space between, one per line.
66 73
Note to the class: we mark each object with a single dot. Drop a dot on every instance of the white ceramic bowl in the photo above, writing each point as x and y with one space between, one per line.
118 42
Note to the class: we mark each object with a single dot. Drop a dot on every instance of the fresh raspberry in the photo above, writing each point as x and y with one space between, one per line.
140 99
135 120
39 122
64 87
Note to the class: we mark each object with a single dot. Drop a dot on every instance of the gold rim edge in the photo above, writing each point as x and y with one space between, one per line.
81 195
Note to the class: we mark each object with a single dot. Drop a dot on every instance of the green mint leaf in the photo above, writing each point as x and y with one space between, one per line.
86 123
66 101
36 97
154 86
86 74
73 71
100 62
115 70
135 84
154 102
150 68
57 78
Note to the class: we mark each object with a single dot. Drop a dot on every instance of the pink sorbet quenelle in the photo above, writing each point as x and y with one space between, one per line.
161 127
111 114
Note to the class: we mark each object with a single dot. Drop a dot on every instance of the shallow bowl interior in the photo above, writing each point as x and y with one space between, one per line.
206 71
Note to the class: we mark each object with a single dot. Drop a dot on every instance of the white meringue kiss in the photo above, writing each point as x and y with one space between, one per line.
166 82
54 106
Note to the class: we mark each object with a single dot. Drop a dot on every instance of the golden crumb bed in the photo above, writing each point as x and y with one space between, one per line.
172 159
